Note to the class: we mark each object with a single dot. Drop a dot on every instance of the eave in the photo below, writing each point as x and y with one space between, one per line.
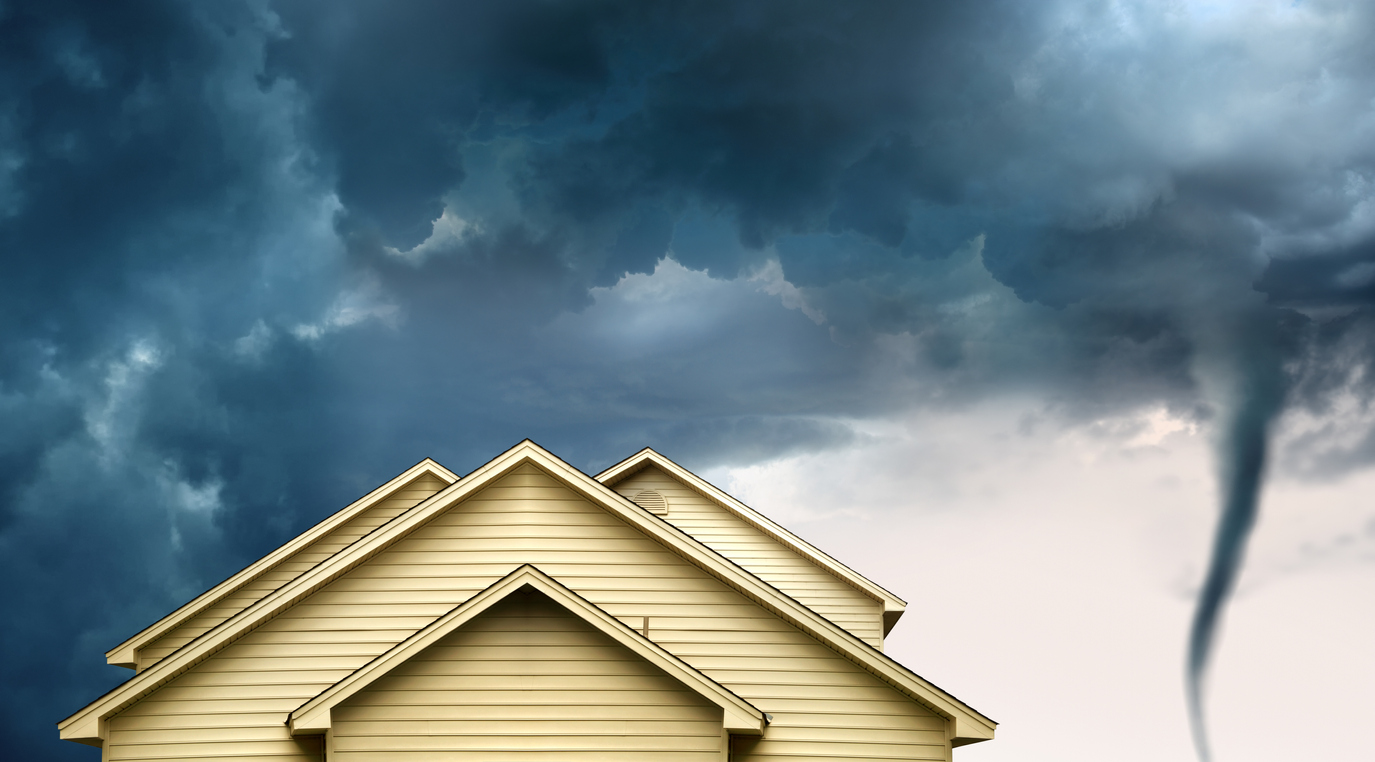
126 654
739 716
893 606
87 725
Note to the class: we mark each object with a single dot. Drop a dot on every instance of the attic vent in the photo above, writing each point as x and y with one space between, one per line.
651 501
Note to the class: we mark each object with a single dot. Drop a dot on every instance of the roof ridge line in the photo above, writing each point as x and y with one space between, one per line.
89 728
252 571
307 717
752 516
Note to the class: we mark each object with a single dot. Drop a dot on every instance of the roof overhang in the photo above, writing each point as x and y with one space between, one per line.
893 606
739 716
87 725
126 654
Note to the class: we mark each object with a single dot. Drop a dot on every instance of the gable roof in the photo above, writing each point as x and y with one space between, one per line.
740 716
88 724
126 654
893 606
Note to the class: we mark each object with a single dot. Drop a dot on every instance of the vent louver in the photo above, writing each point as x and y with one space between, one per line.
651 501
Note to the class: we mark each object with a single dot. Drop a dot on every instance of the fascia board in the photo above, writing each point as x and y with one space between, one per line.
269 605
126 654
893 606
90 731
968 722
739 716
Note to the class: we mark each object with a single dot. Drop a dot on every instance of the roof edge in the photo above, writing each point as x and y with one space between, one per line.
739 716
969 723
126 654
893 606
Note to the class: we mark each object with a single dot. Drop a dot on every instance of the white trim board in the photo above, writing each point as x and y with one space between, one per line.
126 654
88 724
893 606
739 716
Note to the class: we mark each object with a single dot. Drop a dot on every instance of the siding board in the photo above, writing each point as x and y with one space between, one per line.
775 666
580 702
765 557
291 568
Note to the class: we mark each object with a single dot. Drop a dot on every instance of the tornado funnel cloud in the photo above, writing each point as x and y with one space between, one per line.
1243 455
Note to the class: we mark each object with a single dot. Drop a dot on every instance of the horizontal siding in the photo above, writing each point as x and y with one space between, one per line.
575 693
762 555
254 682
290 568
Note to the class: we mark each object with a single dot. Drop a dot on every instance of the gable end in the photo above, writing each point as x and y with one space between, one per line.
268 573
740 717
891 607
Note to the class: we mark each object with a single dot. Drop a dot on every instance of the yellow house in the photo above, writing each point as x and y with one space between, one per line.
528 611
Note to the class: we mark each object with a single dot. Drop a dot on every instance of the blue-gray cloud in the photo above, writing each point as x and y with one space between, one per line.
259 255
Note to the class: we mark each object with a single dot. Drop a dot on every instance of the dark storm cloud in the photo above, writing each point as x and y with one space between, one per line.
395 95
777 112
259 256
148 198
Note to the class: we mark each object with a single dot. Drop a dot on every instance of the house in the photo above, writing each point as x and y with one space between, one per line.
528 611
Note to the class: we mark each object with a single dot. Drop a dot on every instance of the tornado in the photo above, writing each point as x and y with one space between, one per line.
1242 455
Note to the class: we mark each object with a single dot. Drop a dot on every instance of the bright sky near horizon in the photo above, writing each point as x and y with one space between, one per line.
1000 302
1065 563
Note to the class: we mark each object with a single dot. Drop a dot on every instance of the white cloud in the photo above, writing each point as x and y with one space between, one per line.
111 418
651 308
252 344
352 307
446 232
770 278
1050 570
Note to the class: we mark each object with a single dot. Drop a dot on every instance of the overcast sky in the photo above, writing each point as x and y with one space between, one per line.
1004 304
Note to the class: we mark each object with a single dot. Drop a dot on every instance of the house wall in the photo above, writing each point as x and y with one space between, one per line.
765 557
375 516
527 680
234 703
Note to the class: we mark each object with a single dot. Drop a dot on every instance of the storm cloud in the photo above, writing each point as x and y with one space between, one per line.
261 255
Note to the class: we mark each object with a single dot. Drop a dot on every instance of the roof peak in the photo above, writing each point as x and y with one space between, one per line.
893 606
739 715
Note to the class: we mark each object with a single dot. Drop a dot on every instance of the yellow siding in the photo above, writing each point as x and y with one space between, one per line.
291 568
824 706
762 555
527 680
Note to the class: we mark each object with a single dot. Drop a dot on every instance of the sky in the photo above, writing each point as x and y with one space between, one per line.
1057 319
